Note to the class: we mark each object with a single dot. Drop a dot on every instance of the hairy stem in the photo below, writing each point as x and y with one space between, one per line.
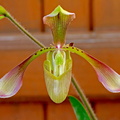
24 30
84 99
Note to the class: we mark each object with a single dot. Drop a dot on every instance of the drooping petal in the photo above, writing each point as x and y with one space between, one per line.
106 75
11 82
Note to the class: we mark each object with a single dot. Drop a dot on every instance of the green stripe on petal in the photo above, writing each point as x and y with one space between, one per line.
11 82
58 21
106 75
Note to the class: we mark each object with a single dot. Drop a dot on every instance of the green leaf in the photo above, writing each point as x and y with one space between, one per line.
79 109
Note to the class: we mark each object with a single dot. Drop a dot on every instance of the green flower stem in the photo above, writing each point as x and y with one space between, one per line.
24 30
84 99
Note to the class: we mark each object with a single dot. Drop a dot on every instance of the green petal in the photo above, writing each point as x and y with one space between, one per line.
79 109
11 82
106 75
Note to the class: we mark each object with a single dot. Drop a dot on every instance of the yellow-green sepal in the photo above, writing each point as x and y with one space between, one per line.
58 21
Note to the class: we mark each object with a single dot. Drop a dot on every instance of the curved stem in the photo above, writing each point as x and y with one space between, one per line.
24 30
84 99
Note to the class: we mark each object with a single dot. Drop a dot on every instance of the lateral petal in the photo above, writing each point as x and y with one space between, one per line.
11 82
106 75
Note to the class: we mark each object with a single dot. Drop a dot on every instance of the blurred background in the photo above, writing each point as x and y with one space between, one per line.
96 30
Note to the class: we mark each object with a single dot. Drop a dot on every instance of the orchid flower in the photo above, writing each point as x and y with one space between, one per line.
58 63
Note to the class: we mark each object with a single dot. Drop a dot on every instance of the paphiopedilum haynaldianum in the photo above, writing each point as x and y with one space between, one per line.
58 64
